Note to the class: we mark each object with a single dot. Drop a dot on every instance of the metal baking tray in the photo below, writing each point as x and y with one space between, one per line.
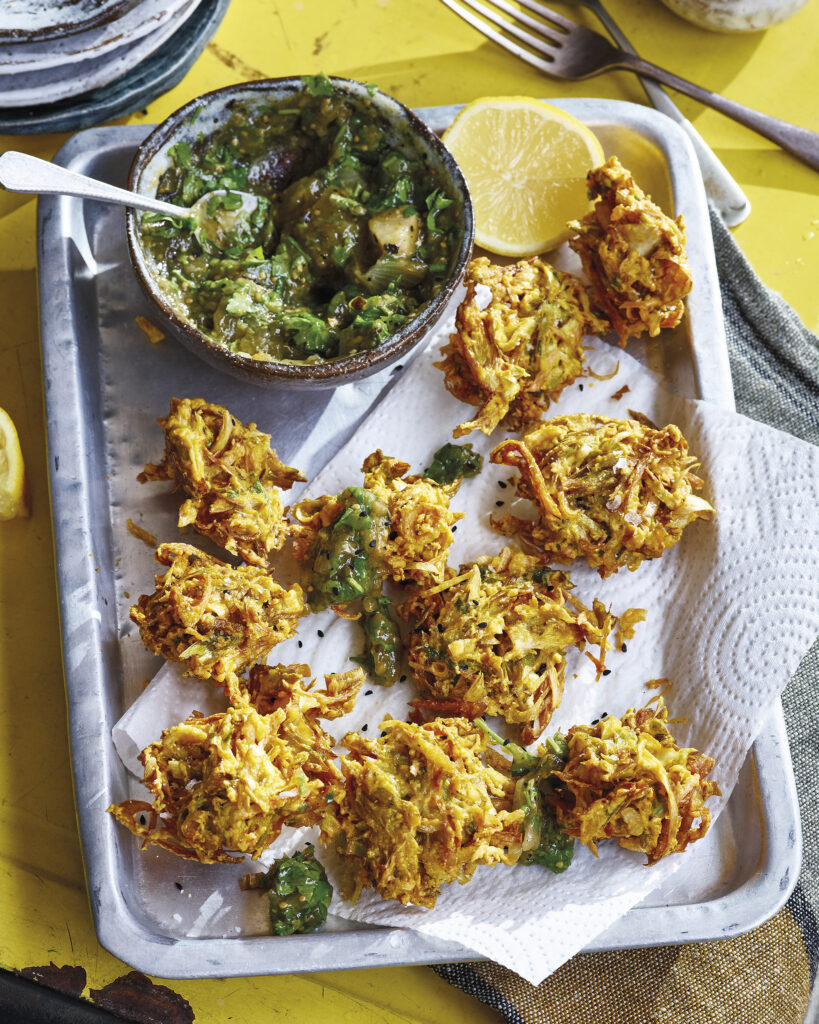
105 384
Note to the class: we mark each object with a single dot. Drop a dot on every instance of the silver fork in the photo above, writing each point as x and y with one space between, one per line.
720 187
564 49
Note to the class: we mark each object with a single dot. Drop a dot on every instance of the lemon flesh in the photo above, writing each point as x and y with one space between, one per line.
13 491
526 164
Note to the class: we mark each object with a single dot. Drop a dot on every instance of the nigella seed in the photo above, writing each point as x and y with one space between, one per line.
580 386
372 543
403 679
499 504
482 625
623 648
179 886
364 728
502 484
454 528
320 632
606 671
301 644
367 693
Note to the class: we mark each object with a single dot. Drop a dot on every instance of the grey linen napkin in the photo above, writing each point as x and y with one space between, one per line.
766 976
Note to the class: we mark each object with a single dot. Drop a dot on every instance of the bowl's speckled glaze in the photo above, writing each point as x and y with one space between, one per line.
213 108
34 20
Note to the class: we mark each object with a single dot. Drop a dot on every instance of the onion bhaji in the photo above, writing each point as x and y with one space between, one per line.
615 492
213 618
421 807
408 519
493 640
514 357
230 475
633 254
226 784
628 780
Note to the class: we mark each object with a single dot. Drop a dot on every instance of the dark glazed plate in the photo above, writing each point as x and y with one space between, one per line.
212 109
140 86
30 20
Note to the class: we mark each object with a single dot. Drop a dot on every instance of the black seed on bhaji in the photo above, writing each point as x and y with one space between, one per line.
372 543
499 504
623 648
367 693
301 644
502 484
320 632
606 671
364 727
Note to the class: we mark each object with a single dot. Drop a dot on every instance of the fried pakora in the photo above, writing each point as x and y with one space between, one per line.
515 356
633 254
418 530
227 784
212 618
614 492
421 807
493 640
629 780
394 526
230 475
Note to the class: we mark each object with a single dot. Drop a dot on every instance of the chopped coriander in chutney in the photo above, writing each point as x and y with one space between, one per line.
344 568
355 235
453 461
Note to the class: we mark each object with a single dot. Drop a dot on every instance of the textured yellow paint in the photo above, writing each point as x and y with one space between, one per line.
432 58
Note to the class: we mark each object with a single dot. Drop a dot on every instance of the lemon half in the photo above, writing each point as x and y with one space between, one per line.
526 164
13 490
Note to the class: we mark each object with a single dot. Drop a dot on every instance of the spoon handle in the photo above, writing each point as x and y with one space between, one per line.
20 172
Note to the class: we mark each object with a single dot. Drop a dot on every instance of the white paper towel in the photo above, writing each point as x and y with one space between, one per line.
732 608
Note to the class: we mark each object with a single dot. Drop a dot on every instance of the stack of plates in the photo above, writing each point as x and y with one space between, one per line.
67 64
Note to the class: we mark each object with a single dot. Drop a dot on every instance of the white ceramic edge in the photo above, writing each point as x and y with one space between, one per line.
140 19
117 928
95 73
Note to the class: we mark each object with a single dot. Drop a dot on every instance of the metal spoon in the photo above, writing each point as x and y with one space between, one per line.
726 194
214 223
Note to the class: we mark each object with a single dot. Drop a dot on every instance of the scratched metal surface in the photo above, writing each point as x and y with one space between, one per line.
105 386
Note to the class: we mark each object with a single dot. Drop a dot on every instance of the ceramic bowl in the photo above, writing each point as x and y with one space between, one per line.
204 114
30 20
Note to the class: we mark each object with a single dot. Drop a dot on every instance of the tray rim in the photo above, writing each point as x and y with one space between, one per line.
118 930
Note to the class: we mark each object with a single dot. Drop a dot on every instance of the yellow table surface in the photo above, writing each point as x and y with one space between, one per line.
422 54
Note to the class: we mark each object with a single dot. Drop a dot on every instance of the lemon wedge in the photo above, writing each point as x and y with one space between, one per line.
526 164
13 490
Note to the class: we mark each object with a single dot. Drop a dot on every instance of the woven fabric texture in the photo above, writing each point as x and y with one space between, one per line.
765 976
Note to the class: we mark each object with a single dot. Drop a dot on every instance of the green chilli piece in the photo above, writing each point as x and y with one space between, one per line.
298 893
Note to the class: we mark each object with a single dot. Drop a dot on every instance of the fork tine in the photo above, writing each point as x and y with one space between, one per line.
541 45
543 64
541 30
549 15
